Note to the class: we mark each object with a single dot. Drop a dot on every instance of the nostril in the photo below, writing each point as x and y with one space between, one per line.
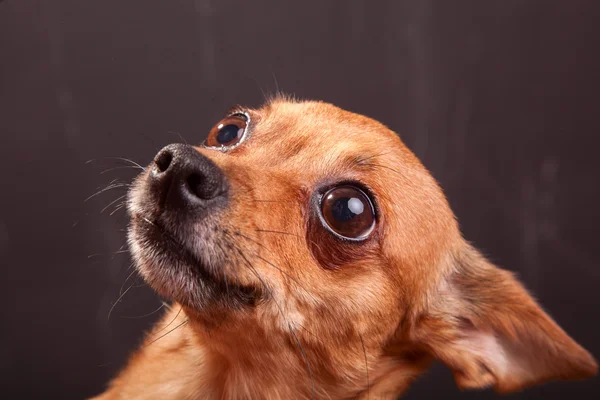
163 161
195 183
202 186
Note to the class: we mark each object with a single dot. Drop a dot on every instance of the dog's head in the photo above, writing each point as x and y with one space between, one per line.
316 229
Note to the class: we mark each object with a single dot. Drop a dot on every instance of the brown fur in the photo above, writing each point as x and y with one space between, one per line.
341 320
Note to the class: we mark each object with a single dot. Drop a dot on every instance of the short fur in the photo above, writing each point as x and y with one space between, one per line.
332 319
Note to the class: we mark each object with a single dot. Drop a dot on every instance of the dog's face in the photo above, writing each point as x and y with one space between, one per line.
308 225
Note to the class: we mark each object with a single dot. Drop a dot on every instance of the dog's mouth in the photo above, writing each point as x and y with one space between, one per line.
178 273
164 241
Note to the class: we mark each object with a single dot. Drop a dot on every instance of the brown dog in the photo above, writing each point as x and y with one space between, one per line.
309 254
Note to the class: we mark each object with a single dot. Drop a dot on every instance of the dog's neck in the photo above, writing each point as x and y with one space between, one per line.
246 362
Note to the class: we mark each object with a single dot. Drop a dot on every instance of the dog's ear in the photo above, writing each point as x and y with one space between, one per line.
488 330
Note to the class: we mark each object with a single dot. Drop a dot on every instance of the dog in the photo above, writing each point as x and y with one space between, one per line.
309 254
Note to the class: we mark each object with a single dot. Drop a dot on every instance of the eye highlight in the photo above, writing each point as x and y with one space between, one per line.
228 132
348 212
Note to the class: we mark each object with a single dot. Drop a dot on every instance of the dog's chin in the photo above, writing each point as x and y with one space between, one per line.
177 274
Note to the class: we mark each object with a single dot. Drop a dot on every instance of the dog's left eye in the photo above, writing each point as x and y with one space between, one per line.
348 212
228 131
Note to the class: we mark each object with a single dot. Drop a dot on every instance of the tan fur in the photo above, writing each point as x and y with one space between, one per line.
343 320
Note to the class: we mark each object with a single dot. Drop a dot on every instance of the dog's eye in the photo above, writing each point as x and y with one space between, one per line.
348 211
228 131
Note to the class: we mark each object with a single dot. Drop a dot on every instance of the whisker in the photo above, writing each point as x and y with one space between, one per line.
180 137
295 280
366 364
265 97
312 381
118 208
254 241
164 233
361 160
117 158
266 248
280 232
276 83
242 191
286 274
162 336
118 300
307 330
269 201
174 318
116 180
145 315
116 168
226 282
253 270
121 251
150 138
126 279
112 254
113 202
109 187
269 262
384 166
285 233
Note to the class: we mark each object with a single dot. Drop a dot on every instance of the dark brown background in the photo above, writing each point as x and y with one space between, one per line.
498 98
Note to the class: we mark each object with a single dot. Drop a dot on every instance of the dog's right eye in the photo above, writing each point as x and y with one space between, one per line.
348 212
228 132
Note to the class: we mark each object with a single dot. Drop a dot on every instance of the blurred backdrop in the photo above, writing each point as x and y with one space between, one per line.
498 98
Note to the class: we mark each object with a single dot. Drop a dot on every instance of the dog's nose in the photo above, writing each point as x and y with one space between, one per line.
184 178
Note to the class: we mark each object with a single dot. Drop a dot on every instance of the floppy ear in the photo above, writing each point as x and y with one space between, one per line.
485 326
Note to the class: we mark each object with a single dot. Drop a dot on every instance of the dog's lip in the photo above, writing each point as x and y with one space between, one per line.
189 258
154 227
150 222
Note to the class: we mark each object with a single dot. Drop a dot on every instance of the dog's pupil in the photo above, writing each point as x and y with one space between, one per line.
227 134
346 208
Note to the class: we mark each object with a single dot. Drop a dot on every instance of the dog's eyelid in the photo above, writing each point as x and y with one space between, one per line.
369 191
233 110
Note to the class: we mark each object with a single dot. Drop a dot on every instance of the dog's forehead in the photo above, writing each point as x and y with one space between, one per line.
285 130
